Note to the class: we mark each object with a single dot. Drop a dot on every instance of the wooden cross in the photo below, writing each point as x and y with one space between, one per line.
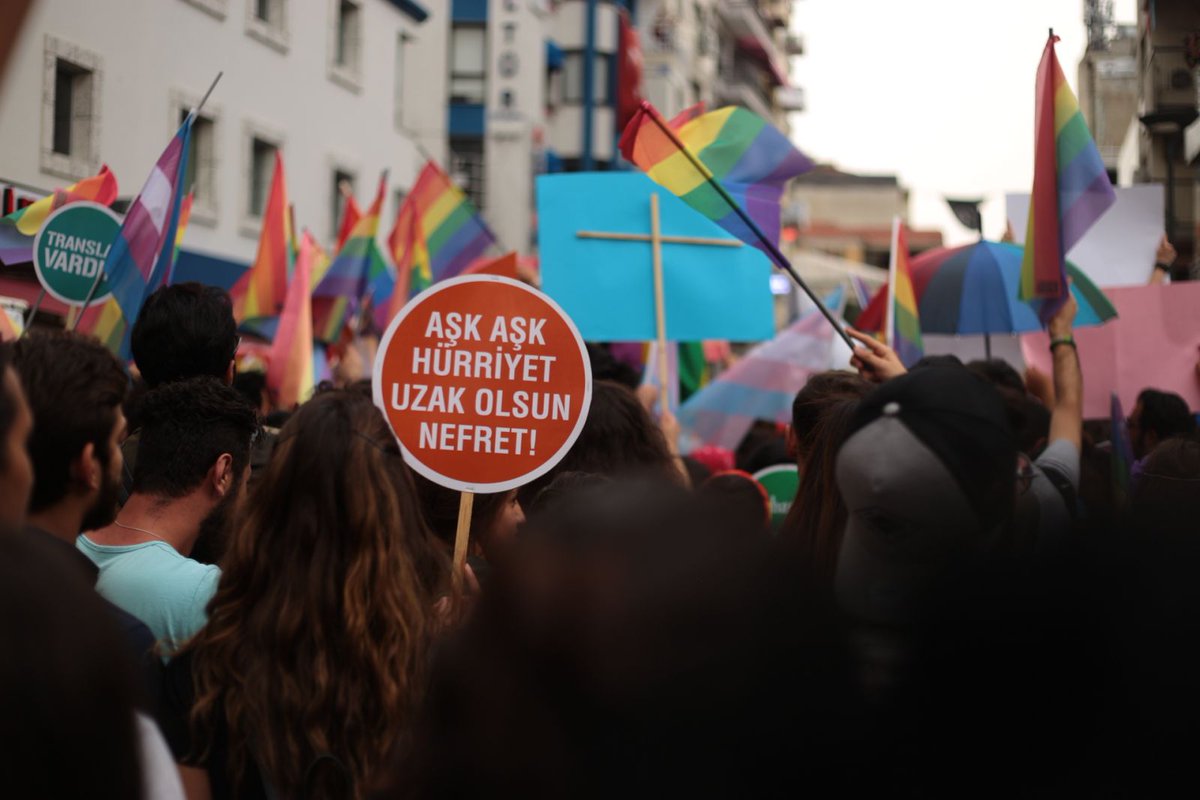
657 240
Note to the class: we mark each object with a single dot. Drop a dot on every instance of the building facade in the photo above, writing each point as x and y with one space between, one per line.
344 89
1163 144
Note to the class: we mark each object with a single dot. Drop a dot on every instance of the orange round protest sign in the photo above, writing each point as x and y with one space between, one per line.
484 381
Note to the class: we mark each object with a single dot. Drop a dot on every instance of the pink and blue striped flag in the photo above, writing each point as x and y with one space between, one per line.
142 256
762 384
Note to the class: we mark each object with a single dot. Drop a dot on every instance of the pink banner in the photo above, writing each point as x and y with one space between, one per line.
1154 343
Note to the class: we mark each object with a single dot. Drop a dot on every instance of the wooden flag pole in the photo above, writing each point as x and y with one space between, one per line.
462 535
660 311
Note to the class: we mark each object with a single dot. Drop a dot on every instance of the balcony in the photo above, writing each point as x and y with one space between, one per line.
746 26
741 86
789 98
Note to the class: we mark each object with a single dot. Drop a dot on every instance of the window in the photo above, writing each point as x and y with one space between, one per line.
345 43
266 21
70 110
343 183
201 175
573 77
468 59
262 166
259 146
466 168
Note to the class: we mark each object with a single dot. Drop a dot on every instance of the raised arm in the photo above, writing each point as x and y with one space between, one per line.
1164 259
1066 417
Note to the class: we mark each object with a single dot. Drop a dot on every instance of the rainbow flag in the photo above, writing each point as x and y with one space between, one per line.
10 329
142 256
743 152
18 228
351 214
1071 189
454 233
413 272
259 293
357 268
100 188
904 320
290 371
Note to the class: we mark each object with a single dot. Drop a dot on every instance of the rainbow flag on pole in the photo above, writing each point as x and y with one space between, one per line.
904 320
100 188
454 233
1071 189
750 158
259 293
411 257
438 233
142 256
18 228
351 214
290 373
356 269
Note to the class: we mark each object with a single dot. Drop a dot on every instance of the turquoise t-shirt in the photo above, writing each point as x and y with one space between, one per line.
156 584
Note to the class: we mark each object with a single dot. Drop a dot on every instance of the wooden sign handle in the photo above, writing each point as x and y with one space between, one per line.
462 536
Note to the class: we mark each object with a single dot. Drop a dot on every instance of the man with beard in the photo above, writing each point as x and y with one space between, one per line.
192 461
74 387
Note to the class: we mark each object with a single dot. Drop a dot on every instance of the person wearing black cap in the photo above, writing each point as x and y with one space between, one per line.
928 477
1051 482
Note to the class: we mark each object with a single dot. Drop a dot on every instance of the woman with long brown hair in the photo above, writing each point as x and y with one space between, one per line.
305 676
821 416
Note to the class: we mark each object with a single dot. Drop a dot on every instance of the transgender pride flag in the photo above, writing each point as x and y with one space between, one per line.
142 256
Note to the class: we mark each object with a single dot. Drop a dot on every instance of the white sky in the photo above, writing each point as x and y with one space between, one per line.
939 92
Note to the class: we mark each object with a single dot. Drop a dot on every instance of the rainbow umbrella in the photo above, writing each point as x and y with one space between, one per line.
972 289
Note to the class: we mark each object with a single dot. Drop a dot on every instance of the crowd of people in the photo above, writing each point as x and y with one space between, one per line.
205 597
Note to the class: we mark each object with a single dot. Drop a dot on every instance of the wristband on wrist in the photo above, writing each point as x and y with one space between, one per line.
1163 266
1069 341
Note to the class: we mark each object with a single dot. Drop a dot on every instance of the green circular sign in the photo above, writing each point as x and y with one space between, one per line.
781 483
70 249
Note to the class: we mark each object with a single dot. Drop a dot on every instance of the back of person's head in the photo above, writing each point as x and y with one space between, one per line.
440 507
251 385
631 623
183 331
1165 414
67 713
187 426
739 503
318 629
1167 492
928 474
1029 419
619 438
16 423
815 397
998 373
75 388
814 523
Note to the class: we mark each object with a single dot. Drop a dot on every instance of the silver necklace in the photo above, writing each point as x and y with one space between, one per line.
139 530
